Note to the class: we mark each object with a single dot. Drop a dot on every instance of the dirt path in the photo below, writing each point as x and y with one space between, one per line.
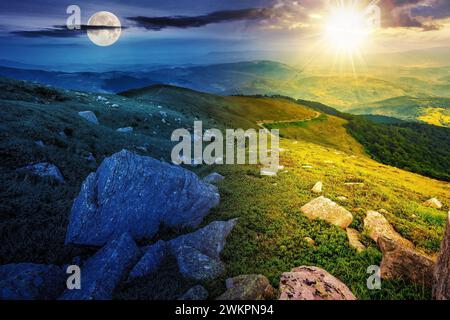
262 123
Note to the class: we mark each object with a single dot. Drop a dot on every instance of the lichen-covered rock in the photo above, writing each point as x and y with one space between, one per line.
325 209
102 272
197 292
213 178
400 262
150 261
312 283
377 225
354 240
248 287
433 203
29 281
137 194
43 169
89 116
198 253
441 276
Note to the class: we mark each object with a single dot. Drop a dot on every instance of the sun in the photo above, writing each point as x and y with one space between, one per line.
346 29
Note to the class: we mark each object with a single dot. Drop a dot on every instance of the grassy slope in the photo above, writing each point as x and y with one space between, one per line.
268 238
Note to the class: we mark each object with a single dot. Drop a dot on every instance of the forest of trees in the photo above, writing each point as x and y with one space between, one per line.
413 146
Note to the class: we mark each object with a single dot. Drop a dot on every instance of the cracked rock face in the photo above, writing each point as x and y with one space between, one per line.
312 283
136 194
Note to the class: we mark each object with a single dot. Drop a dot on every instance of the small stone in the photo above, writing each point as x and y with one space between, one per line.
317 187
43 169
89 116
40 143
309 240
248 287
125 130
90 157
433 203
213 178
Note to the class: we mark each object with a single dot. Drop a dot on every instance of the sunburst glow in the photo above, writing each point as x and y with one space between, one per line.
346 29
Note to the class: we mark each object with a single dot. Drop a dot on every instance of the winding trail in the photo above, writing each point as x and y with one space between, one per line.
262 123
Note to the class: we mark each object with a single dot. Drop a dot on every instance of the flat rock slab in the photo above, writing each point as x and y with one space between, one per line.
400 262
248 287
29 281
312 283
325 209
377 225
102 272
137 194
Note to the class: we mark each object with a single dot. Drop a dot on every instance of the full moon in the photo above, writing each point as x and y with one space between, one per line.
107 36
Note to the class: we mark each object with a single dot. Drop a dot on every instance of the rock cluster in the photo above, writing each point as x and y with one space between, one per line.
137 194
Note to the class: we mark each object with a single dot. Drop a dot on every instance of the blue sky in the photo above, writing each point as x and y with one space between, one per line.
181 31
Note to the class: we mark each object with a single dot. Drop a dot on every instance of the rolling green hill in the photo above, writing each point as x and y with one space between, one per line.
434 111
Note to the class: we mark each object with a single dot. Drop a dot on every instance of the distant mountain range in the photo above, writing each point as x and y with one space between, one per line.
414 93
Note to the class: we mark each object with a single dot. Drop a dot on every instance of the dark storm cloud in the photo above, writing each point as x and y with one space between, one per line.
183 22
59 31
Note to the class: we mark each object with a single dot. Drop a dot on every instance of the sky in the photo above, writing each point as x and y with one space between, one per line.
202 31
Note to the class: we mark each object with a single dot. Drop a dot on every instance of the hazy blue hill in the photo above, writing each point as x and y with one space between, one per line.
220 78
